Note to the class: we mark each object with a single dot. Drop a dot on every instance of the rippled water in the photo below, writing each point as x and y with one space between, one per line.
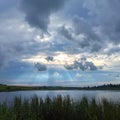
75 95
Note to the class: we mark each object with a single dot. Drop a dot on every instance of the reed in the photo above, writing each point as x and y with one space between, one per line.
59 108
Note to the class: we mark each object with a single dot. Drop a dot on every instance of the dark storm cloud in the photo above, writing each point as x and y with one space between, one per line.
37 12
49 58
85 66
82 64
105 14
91 39
66 32
96 47
40 67
98 21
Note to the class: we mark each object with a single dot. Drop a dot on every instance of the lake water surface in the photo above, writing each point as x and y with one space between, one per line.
114 96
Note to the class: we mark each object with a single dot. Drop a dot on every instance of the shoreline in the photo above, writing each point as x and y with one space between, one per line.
5 88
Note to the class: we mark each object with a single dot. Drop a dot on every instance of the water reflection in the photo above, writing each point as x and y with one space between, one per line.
75 95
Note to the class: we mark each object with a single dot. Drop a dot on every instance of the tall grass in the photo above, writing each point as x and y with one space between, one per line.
59 108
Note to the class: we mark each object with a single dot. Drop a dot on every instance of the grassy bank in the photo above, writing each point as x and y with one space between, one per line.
24 88
59 109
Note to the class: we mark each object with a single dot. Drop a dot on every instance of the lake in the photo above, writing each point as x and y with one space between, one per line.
113 96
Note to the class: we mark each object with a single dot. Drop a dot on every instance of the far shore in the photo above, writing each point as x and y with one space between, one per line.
8 88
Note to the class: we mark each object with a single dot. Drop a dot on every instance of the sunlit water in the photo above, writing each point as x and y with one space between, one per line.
113 96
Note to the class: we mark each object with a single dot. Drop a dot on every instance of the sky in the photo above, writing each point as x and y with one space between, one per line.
59 42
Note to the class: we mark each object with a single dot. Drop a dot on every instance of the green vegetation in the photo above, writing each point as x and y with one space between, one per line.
18 88
15 88
59 108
